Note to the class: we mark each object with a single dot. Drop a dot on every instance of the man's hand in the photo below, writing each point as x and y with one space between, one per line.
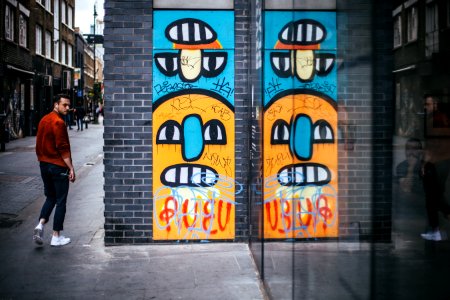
72 176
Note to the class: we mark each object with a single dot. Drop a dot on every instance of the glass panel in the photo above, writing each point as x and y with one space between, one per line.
23 27
38 39
48 44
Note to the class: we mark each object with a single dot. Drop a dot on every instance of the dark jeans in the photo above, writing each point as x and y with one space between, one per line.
434 195
56 188
80 123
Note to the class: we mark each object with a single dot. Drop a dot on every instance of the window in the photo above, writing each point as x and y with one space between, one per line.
412 24
38 39
45 3
23 29
69 54
48 44
63 52
431 30
397 31
69 16
63 12
56 14
56 30
9 23
56 49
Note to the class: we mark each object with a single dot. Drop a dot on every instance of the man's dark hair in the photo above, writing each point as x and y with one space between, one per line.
58 97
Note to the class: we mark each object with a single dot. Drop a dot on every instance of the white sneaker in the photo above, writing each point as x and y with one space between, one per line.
38 234
59 241
432 236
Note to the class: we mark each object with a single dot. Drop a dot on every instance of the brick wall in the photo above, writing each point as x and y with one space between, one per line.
365 116
128 119
365 110
127 150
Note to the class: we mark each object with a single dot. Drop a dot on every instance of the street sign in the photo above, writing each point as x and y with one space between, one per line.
94 38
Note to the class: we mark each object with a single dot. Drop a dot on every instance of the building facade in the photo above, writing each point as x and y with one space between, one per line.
270 133
38 53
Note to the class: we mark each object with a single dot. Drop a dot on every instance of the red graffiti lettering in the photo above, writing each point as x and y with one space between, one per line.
269 215
167 213
185 213
207 218
227 219
286 217
308 213
324 210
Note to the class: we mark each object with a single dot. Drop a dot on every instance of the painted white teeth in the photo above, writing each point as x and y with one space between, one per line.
299 177
170 175
184 177
210 176
321 174
310 174
196 175
284 177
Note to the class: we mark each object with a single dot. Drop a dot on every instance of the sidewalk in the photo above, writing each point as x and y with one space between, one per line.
86 269
409 268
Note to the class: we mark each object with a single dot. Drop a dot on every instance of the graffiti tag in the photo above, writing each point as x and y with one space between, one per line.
167 87
217 160
223 87
274 86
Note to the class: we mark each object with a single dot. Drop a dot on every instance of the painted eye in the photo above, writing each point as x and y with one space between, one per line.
190 31
167 63
323 133
169 133
214 63
280 133
214 133
303 32
281 63
324 63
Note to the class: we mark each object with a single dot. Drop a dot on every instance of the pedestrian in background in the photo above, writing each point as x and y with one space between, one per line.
55 161
435 172
80 113
68 118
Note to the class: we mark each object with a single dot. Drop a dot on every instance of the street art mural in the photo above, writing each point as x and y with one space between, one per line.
300 125
193 125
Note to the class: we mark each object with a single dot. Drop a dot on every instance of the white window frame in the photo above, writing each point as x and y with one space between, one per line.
23 31
38 39
48 44
9 23
45 4
412 26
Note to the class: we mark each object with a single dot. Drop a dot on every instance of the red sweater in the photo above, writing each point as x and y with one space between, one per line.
52 141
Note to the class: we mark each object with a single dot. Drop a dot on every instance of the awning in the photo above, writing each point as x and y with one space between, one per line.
19 70
412 67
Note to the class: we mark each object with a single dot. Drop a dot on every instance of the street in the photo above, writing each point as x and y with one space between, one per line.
409 268
86 269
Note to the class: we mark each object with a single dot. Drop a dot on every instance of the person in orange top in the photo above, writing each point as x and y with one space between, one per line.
55 161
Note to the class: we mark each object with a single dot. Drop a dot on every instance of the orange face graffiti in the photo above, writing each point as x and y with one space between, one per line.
300 166
193 142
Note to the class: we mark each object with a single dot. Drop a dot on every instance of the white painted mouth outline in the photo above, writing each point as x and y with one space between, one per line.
304 174
189 175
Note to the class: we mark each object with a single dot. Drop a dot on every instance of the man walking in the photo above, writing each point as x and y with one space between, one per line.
55 161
